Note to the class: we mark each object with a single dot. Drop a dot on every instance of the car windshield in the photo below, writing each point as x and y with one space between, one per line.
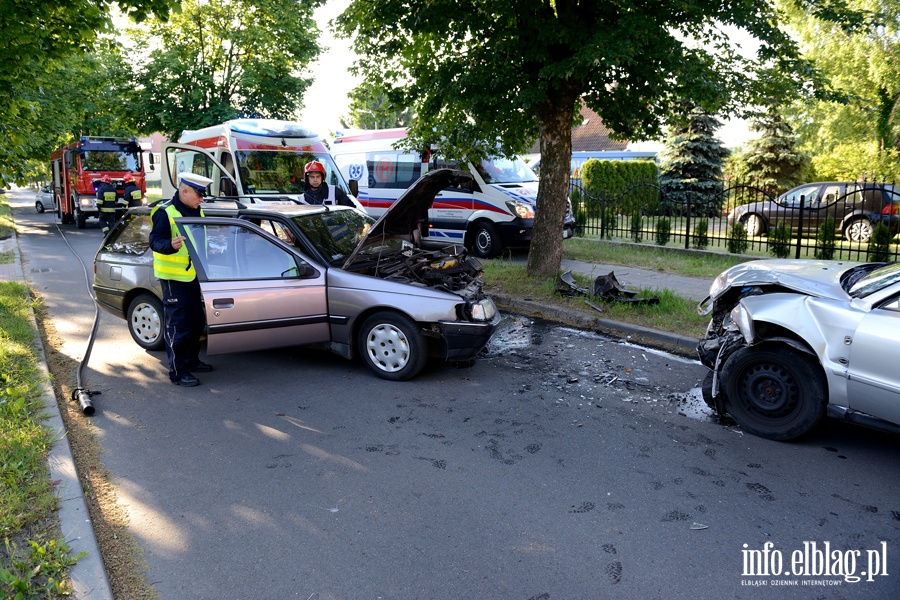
335 233
876 280
505 170
111 160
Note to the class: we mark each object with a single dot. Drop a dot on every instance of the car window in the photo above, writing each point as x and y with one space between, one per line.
231 252
876 280
335 234
831 193
131 235
809 193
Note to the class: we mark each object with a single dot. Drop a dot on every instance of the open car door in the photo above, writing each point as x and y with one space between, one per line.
258 292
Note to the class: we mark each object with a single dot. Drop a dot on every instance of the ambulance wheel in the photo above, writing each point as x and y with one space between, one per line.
145 322
80 219
486 240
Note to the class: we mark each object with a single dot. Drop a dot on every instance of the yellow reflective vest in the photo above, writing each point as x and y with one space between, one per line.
175 266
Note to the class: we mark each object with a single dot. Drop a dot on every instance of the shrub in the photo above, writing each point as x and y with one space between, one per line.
663 231
880 243
737 241
826 240
701 234
637 222
780 240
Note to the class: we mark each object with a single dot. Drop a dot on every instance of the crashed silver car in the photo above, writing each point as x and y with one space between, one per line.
791 341
329 276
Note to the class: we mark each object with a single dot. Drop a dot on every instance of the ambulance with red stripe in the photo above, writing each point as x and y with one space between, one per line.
499 214
264 159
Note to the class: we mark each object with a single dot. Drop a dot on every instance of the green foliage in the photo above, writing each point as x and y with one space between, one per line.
780 240
637 223
737 240
880 243
826 239
371 108
772 159
40 573
854 161
701 234
626 184
663 231
692 160
215 61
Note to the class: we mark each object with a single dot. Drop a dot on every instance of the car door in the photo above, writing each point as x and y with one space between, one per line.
873 385
257 292
788 207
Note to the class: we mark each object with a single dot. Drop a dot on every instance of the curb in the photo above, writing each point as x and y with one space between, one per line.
670 342
88 575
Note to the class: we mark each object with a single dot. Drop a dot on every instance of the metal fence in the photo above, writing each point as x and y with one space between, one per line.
842 221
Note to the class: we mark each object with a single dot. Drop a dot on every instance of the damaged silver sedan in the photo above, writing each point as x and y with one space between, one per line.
791 341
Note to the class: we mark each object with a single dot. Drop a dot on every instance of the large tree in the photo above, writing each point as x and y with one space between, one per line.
220 60
41 39
483 74
772 159
371 108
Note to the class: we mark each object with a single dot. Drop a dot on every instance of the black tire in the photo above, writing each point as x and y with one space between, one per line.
145 322
859 230
774 392
80 219
754 225
392 345
39 206
485 240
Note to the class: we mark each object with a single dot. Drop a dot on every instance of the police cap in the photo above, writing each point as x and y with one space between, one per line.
198 182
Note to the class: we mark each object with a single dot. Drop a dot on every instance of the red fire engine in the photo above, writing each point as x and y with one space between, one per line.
78 167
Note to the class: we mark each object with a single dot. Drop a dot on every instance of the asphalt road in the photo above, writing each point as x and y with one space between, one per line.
561 465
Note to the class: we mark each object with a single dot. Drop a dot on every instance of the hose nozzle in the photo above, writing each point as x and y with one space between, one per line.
83 398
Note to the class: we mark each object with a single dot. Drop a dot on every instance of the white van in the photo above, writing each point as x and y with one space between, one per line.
264 156
499 214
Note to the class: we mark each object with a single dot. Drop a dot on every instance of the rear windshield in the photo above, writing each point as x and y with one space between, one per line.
131 235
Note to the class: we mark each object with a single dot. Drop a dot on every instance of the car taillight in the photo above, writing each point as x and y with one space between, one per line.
891 208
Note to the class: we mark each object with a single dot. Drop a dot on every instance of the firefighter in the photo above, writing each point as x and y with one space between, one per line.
318 193
106 203
183 312
132 193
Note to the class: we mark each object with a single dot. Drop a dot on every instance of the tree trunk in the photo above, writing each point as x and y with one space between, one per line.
554 118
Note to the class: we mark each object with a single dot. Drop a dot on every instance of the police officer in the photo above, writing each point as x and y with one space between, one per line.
132 193
106 203
318 193
182 302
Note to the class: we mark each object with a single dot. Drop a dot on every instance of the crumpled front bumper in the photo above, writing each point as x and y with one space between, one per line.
462 340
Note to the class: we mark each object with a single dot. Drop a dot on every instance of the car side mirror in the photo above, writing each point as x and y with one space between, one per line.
354 187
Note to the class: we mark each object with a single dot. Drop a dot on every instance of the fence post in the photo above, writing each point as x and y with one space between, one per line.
800 227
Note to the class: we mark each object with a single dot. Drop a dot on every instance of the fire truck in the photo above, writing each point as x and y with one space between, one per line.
77 169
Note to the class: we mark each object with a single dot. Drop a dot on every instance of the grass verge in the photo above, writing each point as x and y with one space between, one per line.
33 558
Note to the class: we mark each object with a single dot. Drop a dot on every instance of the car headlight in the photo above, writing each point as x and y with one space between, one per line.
87 202
521 209
482 310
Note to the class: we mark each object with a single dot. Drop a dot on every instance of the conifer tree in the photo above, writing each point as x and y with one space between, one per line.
773 161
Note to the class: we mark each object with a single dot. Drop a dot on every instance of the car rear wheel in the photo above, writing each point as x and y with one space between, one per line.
145 322
859 230
774 392
392 346
754 225
486 240
80 219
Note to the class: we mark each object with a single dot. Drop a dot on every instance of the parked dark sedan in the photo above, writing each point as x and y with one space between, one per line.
855 207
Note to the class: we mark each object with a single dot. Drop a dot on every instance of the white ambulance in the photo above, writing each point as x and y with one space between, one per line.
498 215
265 158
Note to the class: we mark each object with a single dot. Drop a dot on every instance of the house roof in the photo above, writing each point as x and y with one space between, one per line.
591 135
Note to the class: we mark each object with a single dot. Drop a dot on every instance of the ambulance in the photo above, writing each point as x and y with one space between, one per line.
499 214
263 158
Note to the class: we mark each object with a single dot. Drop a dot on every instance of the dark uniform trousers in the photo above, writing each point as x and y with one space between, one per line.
185 318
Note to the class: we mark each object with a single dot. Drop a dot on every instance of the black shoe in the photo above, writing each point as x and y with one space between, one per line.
202 367
186 380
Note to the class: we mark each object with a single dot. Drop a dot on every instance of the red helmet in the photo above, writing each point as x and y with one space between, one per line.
314 166
106 179
128 177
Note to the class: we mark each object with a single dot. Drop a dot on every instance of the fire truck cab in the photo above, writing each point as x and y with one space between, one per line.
77 168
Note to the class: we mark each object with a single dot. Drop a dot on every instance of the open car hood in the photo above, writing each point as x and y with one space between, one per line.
406 218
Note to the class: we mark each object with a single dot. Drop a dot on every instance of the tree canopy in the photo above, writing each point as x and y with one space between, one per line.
691 169
492 75
220 60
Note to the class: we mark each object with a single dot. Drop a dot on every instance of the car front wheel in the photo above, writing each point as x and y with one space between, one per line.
39 206
392 346
486 240
859 230
145 322
774 392
754 225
